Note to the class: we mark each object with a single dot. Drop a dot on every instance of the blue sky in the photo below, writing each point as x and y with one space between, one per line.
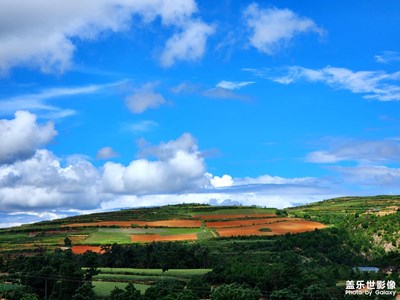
126 103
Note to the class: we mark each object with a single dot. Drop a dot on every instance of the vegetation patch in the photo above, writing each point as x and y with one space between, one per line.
103 289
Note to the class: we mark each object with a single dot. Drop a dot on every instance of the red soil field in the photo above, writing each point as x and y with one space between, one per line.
295 226
83 249
238 216
147 238
164 223
237 223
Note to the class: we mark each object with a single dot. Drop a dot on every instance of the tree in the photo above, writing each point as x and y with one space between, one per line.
129 293
199 286
117 294
235 291
67 242
85 292
284 294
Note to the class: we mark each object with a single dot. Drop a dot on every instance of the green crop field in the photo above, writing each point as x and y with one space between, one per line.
107 238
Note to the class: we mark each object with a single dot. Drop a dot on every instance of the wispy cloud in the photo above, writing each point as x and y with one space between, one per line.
273 28
377 85
142 126
387 57
372 176
222 90
39 102
230 85
362 151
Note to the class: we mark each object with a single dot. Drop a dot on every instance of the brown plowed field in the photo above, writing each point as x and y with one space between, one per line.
237 223
165 223
83 249
147 238
238 216
278 228
294 226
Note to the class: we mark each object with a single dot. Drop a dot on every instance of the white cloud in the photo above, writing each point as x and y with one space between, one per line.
221 93
169 173
178 167
229 85
374 84
142 126
387 57
21 136
224 181
144 98
41 34
268 179
106 153
358 150
372 176
188 45
48 184
39 102
217 92
322 157
273 28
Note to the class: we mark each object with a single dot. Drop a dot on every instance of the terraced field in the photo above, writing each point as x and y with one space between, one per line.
170 223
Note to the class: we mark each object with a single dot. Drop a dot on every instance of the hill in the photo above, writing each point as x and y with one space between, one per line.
305 252
189 222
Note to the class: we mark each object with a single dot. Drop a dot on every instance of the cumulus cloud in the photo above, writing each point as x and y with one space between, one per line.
48 183
106 153
44 38
21 136
178 166
377 85
273 28
224 181
358 150
144 98
188 45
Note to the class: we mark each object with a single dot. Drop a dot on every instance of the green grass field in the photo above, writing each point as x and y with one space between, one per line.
131 277
97 238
